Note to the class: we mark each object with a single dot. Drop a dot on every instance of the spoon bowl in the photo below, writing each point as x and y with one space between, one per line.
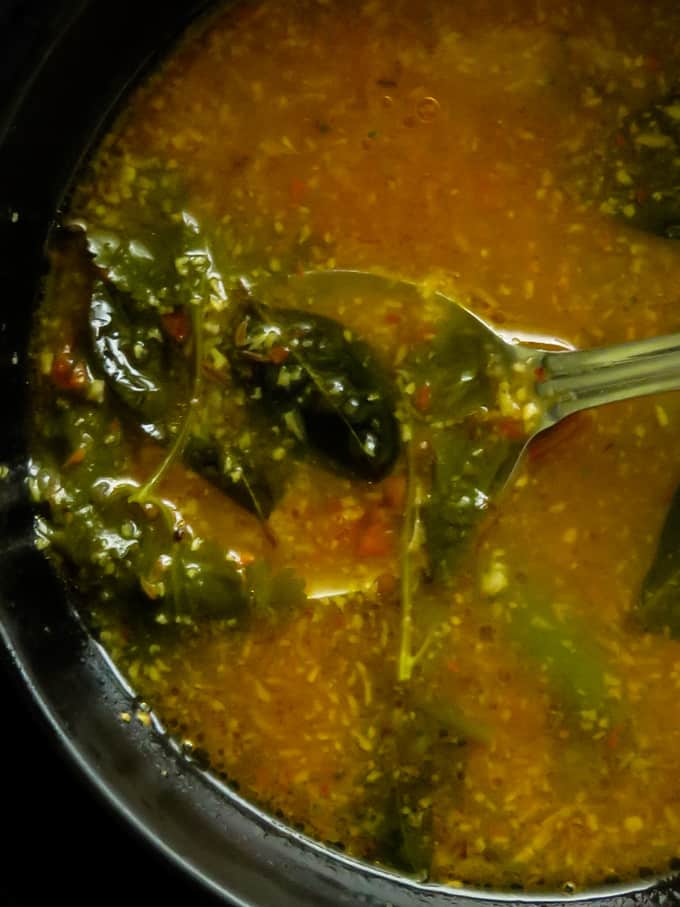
515 384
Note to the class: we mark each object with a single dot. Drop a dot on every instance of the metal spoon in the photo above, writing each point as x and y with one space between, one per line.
559 382
565 381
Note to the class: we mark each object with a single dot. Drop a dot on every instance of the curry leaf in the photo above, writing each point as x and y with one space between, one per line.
254 482
329 384
659 604
573 665
429 740
202 584
641 179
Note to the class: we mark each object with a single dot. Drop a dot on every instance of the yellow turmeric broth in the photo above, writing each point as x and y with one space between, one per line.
485 706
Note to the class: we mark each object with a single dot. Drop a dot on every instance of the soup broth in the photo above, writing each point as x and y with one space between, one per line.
278 495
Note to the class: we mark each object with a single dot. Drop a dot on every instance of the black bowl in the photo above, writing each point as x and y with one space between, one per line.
64 67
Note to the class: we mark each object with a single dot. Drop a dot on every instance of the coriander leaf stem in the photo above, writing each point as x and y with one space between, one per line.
146 491
408 543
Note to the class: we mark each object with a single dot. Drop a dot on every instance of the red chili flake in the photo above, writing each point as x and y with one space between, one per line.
612 739
539 373
423 398
392 318
511 429
69 374
177 325
298 189
641 195
278 355
76 457
620 139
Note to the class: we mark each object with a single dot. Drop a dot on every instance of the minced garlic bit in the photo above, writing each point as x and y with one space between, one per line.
633 824
494 580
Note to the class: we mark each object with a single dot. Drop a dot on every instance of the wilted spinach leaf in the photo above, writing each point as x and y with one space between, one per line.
152 375
470 460
326 386
154 248
659 605
149 374
125 560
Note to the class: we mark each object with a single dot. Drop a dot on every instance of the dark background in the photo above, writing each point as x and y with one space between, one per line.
61 844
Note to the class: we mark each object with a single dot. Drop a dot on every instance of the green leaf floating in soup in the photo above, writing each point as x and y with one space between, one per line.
641 181
154 249
150 375
325 384
559 645
471 455
151 564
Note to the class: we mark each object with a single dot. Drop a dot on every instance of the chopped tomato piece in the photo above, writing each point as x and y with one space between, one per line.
375 540
394 492
278 355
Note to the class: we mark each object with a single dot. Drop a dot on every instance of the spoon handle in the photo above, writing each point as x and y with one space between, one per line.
580 379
